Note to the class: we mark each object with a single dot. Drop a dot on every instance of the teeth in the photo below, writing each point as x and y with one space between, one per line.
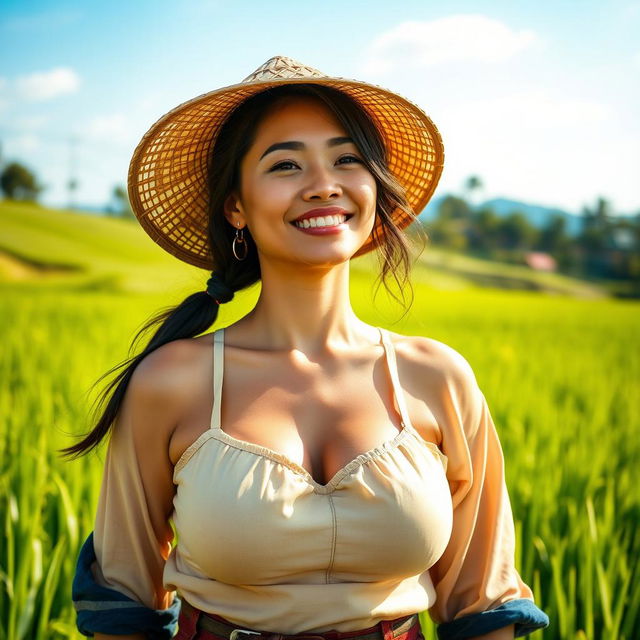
326 221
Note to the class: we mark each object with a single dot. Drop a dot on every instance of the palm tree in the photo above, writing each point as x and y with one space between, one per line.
472 185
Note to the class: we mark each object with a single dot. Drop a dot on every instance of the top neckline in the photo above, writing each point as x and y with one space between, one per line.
216 431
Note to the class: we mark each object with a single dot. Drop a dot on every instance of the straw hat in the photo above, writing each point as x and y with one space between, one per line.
167 174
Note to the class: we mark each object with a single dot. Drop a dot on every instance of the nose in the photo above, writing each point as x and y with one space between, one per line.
321 185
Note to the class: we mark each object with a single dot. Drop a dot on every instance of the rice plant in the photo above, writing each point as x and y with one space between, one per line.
561 376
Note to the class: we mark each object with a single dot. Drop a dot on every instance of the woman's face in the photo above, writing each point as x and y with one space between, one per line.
302 160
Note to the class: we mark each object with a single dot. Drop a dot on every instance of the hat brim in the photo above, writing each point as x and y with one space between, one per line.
167 179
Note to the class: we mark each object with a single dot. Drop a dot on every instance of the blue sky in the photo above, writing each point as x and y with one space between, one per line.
539 99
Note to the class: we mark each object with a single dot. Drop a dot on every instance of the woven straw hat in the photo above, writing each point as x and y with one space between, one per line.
167 174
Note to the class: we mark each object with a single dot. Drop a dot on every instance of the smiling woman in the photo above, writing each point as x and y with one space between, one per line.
279 186
350 477
254 153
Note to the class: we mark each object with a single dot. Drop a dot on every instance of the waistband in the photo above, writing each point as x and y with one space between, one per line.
193 620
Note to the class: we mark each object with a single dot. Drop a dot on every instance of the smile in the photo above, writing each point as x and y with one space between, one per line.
322 221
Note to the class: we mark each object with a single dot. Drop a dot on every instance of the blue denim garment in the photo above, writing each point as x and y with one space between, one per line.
522 612
106 610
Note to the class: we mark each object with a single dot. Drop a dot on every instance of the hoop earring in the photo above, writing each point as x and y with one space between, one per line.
240 239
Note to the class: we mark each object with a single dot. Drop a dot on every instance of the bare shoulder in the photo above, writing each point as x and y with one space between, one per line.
167 367
424 358
164 383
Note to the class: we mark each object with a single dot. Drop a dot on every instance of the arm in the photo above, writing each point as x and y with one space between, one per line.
118 587
479 593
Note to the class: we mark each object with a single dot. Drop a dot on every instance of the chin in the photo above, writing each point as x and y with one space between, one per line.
328 258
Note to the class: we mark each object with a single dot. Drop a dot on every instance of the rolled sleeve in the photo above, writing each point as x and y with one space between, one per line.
105 610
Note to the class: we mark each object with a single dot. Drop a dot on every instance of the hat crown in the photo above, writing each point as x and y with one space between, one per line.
282 67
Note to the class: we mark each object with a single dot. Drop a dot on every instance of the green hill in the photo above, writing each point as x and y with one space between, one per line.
76 250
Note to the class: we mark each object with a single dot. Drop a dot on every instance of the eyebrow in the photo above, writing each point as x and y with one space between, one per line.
294 145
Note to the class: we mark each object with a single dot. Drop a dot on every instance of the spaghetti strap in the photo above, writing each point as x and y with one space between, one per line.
218 369
398 392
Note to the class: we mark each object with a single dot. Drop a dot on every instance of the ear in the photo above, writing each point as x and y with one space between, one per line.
233 211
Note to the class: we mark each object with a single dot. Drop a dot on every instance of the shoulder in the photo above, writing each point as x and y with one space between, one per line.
170 366
442 378
164 383
425 358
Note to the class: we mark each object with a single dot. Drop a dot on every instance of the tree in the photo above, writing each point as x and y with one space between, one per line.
19 183
553 236
122 206
453 208
596 226
471 185
484 231
596 239
516 232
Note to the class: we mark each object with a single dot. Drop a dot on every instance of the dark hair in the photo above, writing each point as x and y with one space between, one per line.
199 311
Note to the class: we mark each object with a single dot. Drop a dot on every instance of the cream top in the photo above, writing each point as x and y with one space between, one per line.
404 527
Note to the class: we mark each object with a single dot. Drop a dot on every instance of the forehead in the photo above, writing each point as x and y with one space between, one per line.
298 116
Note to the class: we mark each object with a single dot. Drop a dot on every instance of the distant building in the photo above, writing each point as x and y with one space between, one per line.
540 261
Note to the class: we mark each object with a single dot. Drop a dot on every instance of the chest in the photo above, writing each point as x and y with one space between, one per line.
319 415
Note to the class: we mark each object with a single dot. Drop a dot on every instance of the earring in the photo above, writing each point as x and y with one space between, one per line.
240 239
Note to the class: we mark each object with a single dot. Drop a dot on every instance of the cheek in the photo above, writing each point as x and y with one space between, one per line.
263 198
365 191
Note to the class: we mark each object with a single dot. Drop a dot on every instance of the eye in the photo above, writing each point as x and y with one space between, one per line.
286 165
349 159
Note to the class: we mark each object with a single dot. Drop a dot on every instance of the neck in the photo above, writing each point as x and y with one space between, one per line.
308 310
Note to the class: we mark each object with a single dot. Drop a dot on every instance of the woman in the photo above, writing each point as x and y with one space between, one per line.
350 477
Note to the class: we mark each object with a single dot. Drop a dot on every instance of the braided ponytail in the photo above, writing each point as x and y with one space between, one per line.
218 289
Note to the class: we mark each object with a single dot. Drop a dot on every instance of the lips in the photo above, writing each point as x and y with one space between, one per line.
321 212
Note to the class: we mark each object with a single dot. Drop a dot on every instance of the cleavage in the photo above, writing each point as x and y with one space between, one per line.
321 453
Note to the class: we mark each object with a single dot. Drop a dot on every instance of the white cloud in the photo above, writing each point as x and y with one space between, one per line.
471 37
114 127
528 126
45 85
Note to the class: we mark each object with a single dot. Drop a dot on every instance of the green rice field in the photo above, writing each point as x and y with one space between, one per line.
561 374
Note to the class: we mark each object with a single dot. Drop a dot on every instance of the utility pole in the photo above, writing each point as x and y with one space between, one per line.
72 183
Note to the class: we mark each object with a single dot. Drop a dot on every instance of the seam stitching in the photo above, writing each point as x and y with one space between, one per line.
333 539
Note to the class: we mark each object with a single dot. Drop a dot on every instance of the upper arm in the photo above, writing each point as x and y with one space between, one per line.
132 533
154 403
